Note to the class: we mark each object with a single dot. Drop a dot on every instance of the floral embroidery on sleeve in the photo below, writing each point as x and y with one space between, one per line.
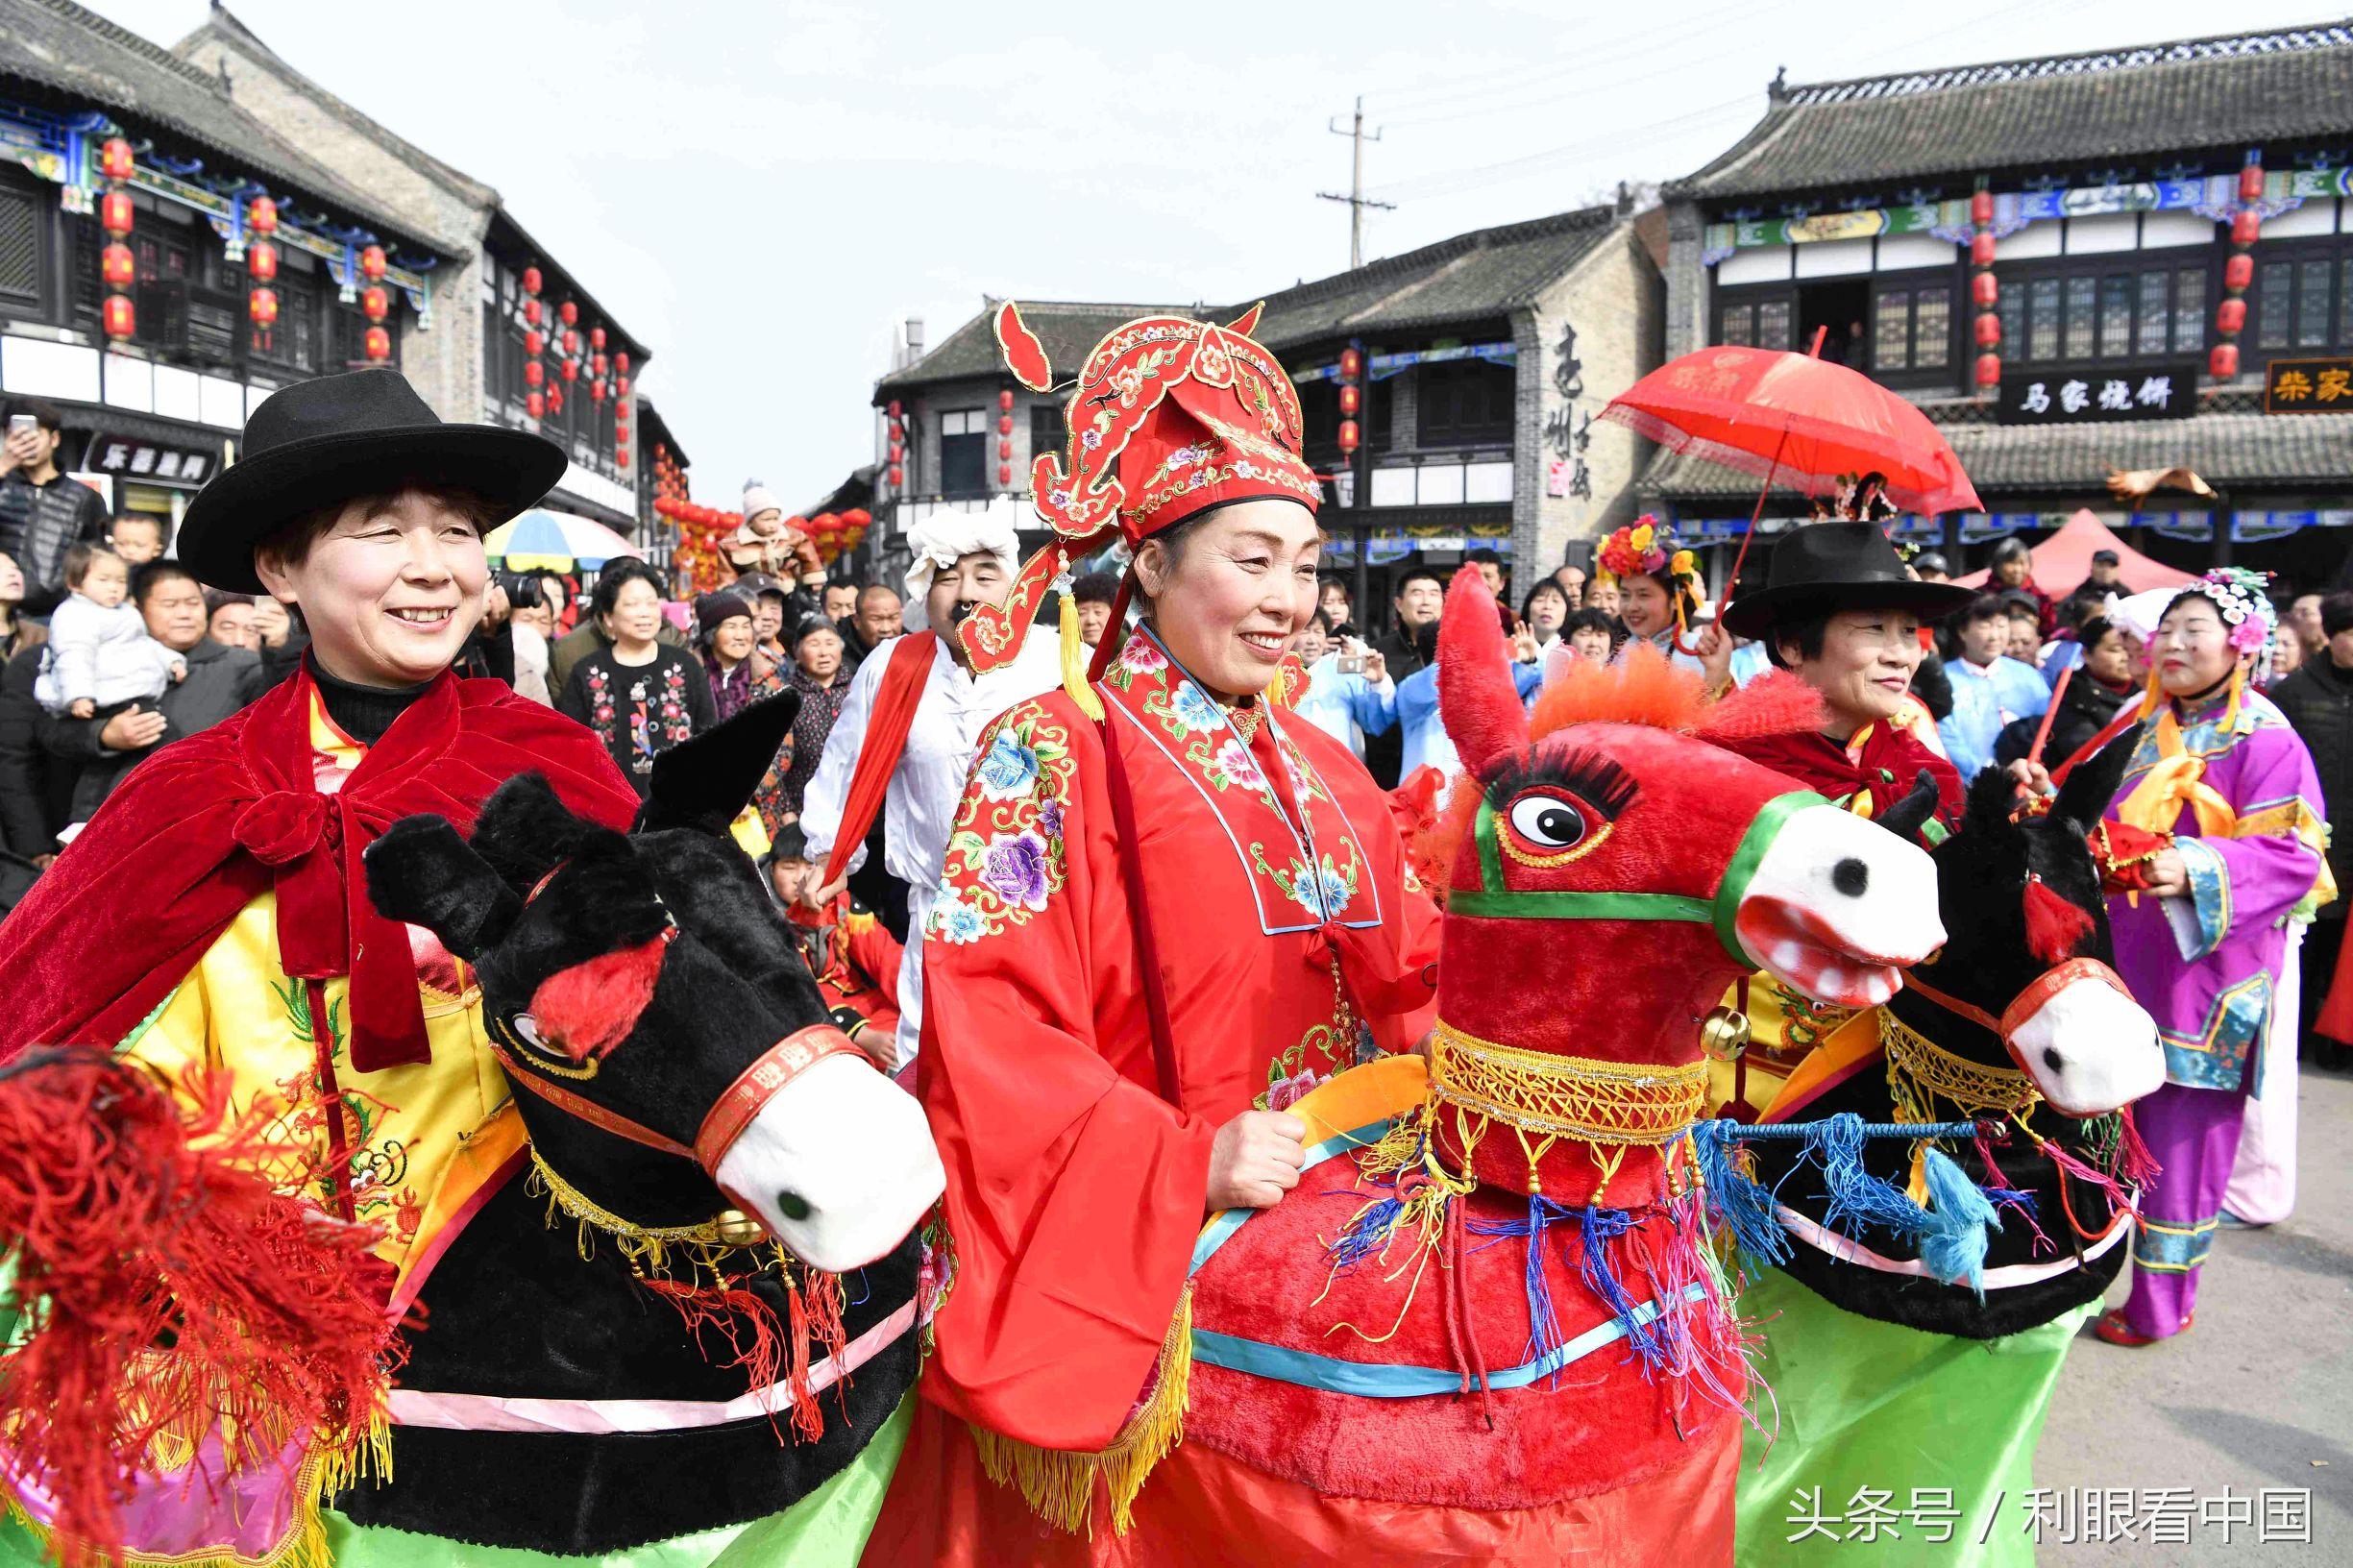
1005 853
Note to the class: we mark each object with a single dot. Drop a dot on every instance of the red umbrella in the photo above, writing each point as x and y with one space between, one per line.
1797 419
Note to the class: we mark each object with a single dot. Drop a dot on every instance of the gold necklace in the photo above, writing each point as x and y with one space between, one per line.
1613 1106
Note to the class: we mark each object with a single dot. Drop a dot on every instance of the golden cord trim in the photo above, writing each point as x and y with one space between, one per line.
1920 1072
651 1252
1648 1104
1059 1486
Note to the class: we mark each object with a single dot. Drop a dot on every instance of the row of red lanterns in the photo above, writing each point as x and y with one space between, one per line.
1985 289
1004 439
118 316
2238 274
895 469
1352 371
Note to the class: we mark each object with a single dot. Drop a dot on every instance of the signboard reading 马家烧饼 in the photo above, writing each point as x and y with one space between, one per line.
2307 387
2082 397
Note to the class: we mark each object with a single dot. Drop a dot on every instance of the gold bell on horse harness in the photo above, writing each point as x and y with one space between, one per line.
738 1229
1724 1034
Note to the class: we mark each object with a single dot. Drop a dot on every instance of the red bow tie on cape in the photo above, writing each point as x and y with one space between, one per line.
198 831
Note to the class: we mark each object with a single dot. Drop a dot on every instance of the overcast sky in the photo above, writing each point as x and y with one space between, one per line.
760 191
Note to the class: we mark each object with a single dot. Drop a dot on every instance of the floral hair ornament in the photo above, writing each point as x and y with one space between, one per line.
1646 549
1170 417
2250 625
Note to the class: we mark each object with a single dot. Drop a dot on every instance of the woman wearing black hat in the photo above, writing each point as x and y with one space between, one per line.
1839 611
213 914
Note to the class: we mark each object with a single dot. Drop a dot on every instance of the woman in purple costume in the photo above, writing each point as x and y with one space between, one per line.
2228 787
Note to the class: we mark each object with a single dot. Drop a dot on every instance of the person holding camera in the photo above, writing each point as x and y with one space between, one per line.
42 513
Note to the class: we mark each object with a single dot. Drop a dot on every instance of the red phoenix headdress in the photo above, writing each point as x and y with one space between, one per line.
1170 417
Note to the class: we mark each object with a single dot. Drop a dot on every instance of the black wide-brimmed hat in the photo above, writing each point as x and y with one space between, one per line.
1821 568
331 439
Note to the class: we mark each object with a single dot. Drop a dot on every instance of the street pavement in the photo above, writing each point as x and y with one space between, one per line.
2258 1395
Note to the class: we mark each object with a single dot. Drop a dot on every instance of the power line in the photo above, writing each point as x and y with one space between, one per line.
1448 182
1356 199
1625 45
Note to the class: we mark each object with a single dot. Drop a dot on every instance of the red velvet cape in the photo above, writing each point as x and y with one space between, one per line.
1888 767
202 828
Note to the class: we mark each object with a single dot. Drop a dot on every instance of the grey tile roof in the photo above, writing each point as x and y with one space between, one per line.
2303 451
1068 330
2149 101
1481 275
81 59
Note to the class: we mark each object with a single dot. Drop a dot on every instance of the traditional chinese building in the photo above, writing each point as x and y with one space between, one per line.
526 343
1448 393
167 259
2133 259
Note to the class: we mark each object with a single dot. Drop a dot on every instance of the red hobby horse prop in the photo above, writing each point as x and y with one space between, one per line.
1489 1325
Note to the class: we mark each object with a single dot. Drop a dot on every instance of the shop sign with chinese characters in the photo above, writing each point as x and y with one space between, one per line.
148 461
2307 387
2079 396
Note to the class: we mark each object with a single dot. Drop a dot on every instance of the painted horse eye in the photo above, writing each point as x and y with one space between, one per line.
1547 820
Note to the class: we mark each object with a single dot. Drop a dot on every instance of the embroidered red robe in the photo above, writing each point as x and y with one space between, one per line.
1074 1189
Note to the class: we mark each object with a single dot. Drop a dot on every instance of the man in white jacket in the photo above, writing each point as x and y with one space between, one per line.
963 559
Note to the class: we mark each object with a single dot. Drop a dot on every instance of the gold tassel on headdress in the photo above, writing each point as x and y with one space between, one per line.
1060 1486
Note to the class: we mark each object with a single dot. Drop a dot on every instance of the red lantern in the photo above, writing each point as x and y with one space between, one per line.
534 372
375 304
114 159
1004 452
372 263
1004 400
118 266
2246 226
1004 475
898 432
1989 370
1349 400
596 394
893 410
1989 329
897 453
571 312
572 370
621 387
2230 316
263 216
1981 249
530 280
1985 288
2239 272
1348 435
378 343
1352 364
596 364
595 337
262 307
117 316
533 344
620 362
534 405
2250 182
531 312
262 261
115 213
1004 424
2223 363
620 457
1981 207
898 478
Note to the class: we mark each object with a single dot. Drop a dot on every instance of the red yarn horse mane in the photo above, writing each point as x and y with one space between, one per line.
1642 687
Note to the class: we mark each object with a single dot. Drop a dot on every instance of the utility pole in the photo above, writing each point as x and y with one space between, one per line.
1357 204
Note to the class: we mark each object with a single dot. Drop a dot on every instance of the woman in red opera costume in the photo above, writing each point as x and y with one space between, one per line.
1166 902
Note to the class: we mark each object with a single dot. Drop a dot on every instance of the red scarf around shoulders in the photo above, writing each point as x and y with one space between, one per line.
202 828
1886 764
